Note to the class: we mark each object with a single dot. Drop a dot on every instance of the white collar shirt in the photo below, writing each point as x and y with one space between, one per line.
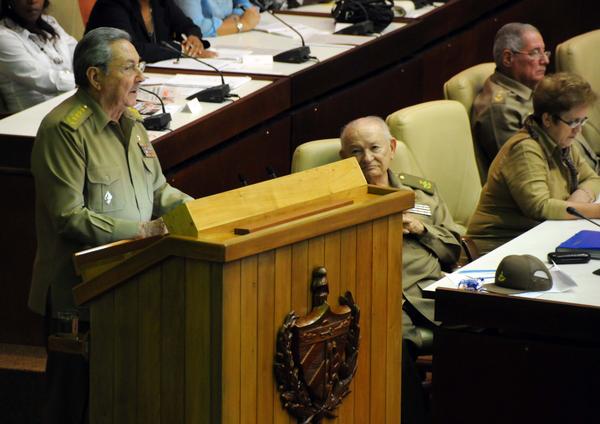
33 70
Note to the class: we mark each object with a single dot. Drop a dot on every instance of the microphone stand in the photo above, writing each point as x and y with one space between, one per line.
216 94
159 121
296 55
571 210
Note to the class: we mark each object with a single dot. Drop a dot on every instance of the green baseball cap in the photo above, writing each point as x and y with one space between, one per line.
520 274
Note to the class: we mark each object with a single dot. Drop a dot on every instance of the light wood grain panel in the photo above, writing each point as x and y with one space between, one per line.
149 346
231 384
102 379
249 339
283 305
331 261
339 180
364 263
197 342
300 278
216 341
348 283
316 258
173 342
126 352
379 321
332 264
266 336
394 319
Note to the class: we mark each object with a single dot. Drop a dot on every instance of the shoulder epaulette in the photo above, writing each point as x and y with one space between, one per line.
133 113
417 183
499 97
77 116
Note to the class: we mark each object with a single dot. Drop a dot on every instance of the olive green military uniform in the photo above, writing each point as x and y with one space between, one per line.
499 111
424 255
527 183
95 181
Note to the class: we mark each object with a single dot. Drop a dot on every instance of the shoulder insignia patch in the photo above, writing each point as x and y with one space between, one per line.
417 183
134 114
499 97
77 116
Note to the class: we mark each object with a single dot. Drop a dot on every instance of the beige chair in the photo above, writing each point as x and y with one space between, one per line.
581 55
464 87
68 15
439 136
321 152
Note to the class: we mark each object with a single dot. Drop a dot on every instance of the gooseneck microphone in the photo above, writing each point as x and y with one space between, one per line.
158 121
571 210
216 94
296 55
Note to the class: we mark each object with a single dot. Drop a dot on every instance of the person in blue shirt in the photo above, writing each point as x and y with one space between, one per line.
221 17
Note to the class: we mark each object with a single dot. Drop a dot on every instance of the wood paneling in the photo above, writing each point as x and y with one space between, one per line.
231 351
102 363
148 383
172 393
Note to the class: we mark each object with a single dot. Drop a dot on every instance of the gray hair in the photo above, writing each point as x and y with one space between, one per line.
510 37
94 50
351 129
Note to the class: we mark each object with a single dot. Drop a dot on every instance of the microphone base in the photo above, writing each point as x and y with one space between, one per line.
158 122
216 94
298 55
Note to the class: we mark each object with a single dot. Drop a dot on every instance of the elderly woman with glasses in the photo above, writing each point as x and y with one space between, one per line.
537 173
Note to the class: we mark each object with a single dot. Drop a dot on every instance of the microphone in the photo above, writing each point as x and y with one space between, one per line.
571 210
216 94
159 121
296 55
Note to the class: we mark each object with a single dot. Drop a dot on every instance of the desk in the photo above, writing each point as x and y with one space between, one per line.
529 360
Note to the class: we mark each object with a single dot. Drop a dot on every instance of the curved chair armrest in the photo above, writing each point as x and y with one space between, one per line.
470 248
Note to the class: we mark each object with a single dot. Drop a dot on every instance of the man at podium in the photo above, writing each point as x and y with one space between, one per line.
97 180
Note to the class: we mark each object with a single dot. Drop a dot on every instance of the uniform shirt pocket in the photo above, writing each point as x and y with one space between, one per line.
105 191
149 170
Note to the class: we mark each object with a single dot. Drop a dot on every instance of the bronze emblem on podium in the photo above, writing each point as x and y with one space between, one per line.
317 354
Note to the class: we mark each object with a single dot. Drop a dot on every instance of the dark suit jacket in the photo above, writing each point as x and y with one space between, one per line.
169 23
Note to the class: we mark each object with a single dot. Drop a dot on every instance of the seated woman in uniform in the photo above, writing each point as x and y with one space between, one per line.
149 23
36 55
537 174
221 17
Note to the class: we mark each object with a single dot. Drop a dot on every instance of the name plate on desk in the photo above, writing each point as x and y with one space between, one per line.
192 106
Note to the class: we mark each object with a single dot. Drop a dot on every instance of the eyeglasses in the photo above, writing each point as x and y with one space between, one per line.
575 123
133 67
535 54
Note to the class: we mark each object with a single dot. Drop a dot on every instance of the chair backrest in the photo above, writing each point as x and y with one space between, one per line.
464 86
321 152
439 136
581 55
68 15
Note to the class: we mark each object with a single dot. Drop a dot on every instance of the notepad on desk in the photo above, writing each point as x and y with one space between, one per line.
583 241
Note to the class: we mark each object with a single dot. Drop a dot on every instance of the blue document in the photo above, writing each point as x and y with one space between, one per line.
583 241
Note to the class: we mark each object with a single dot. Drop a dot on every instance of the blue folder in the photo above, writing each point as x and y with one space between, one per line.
583 241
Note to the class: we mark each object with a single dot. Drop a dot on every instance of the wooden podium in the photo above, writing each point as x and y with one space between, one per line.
183 327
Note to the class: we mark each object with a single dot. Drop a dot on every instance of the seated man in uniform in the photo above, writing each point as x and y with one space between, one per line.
505 100
431 238
97 180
